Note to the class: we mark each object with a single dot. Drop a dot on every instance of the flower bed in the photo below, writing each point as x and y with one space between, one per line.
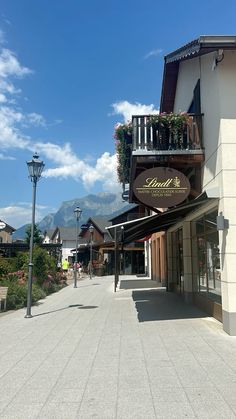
46 279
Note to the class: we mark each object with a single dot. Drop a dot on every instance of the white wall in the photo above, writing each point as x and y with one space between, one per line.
218 96
67 246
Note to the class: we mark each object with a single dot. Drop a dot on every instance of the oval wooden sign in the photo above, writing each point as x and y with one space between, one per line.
161 187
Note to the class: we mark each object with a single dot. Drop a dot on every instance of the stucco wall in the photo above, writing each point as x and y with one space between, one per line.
218 93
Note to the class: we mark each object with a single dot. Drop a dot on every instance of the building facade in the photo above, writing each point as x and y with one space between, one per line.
201 254
194 134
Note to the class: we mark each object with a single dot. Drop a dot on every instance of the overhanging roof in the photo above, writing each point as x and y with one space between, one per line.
203 45
137 229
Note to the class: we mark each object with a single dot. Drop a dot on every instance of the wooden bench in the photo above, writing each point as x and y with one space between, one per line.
3 297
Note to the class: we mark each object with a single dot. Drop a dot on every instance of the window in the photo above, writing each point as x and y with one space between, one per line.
205 243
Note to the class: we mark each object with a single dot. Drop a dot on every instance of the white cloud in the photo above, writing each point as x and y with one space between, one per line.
70 166
18 215
153 53
10 66
127 109
36 119
3 157
66 163
10 136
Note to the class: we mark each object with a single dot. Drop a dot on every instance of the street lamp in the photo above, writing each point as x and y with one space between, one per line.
91 230
35 167
77 212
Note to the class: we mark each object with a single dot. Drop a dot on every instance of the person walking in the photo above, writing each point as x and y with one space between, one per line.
65 265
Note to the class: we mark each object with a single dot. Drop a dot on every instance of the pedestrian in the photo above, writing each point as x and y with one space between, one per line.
65 265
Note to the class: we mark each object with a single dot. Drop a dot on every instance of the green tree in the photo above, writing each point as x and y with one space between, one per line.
43 264
37 235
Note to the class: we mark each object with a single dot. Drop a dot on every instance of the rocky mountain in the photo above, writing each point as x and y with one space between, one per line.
103 204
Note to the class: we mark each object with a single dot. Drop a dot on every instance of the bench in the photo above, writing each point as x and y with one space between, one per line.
3 297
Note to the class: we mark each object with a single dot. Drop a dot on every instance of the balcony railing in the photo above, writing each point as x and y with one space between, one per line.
150 134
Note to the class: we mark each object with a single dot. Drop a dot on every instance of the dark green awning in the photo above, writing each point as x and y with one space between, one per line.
137 229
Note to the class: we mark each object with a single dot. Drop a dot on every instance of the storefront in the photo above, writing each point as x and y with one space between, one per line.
194 266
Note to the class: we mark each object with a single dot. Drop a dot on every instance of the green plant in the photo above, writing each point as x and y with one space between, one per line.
17 294
175 122
37 235
43 264
21 261
5 266
123 142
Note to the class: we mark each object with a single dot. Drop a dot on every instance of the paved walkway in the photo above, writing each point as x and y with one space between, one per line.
138 353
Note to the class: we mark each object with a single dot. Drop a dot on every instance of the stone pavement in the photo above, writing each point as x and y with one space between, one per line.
137 353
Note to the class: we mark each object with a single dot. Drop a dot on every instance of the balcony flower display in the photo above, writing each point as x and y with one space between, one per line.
123 143
172 127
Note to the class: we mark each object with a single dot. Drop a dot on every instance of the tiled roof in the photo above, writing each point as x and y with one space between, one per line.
67 233
101 223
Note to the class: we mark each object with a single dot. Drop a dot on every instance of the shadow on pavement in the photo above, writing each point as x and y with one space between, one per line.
127 284
157 304
87 307
59 309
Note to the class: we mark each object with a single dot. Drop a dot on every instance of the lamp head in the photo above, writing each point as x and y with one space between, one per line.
91 229
35 167
78 212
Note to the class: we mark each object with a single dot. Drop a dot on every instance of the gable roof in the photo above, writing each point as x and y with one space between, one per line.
49 232
100 223
200 46
67 233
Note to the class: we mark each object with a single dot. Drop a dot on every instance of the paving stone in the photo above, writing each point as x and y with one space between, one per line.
72 362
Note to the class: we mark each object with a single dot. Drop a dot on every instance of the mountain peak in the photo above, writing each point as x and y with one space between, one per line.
103 204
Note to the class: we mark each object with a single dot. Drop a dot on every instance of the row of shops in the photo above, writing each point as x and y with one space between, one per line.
182 170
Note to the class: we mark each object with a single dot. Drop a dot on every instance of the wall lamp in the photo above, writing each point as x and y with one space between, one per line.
218 58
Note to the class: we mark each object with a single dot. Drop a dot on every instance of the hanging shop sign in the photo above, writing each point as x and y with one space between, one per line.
161 187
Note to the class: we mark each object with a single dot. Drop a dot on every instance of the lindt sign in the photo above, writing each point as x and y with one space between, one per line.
161 187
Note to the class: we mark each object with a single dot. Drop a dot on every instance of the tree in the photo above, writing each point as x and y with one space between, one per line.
37 235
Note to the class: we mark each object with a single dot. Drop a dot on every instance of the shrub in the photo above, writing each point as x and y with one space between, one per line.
22 261
45 280
43 264
54 282
17 294
5 266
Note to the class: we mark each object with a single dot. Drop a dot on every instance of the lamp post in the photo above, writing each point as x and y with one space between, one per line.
35 167
78 213
91 230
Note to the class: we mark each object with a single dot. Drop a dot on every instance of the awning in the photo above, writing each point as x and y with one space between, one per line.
137 229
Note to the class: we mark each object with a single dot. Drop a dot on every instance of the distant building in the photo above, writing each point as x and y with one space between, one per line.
6 233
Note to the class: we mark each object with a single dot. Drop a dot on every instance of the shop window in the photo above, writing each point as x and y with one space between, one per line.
205 242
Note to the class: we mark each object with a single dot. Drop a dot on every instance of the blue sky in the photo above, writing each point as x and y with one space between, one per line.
69 71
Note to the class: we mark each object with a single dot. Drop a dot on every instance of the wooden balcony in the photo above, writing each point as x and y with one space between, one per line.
152 137
166 141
